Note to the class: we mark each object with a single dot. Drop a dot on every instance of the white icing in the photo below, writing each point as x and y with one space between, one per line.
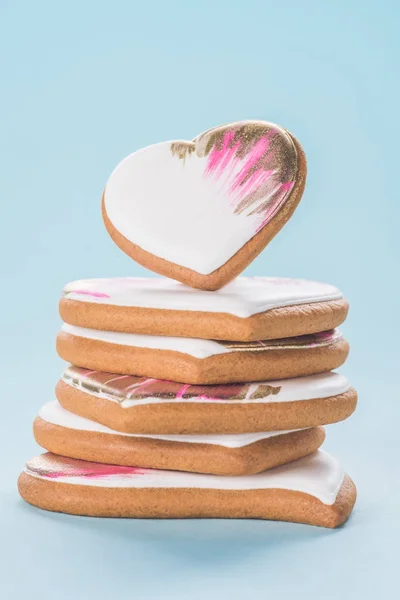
192 346
319 475
172 209
323 385
54 413
243 297
199 348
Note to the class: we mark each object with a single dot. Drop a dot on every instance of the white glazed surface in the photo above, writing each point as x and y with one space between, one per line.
243 297
192 346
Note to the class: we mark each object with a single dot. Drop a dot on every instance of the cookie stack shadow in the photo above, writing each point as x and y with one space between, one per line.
190 403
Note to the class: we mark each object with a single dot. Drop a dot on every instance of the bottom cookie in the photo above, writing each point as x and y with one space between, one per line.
313 490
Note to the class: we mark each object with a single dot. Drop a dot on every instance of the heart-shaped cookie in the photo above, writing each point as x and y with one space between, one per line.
201 211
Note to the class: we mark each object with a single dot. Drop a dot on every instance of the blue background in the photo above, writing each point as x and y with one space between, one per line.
83 83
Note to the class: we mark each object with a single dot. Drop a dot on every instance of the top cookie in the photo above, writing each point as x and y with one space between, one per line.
201 211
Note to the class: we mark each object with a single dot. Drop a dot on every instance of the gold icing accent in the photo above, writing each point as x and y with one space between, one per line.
248 134
302 341
138 388
98 388
159 395
182 149
265 390
243 346
227 391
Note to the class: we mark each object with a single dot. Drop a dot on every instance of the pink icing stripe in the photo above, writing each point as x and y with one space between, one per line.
287 186
182 391
115 379
137 387
254 156
89 293
229 155
218 157
52 466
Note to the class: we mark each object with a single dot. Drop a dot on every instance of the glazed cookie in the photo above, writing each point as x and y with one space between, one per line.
247 309
201 211
193 360
67 434
313 490
149 406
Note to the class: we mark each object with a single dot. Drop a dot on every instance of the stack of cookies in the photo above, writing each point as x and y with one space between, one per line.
202 393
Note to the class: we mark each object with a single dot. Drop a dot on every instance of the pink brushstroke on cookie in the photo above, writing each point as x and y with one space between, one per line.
182 391
253 157
115 379
90 293
218 159
252 177
52 466
139 386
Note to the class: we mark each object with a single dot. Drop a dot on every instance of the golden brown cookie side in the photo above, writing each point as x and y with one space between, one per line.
288 321
158 503
229 367
208 417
